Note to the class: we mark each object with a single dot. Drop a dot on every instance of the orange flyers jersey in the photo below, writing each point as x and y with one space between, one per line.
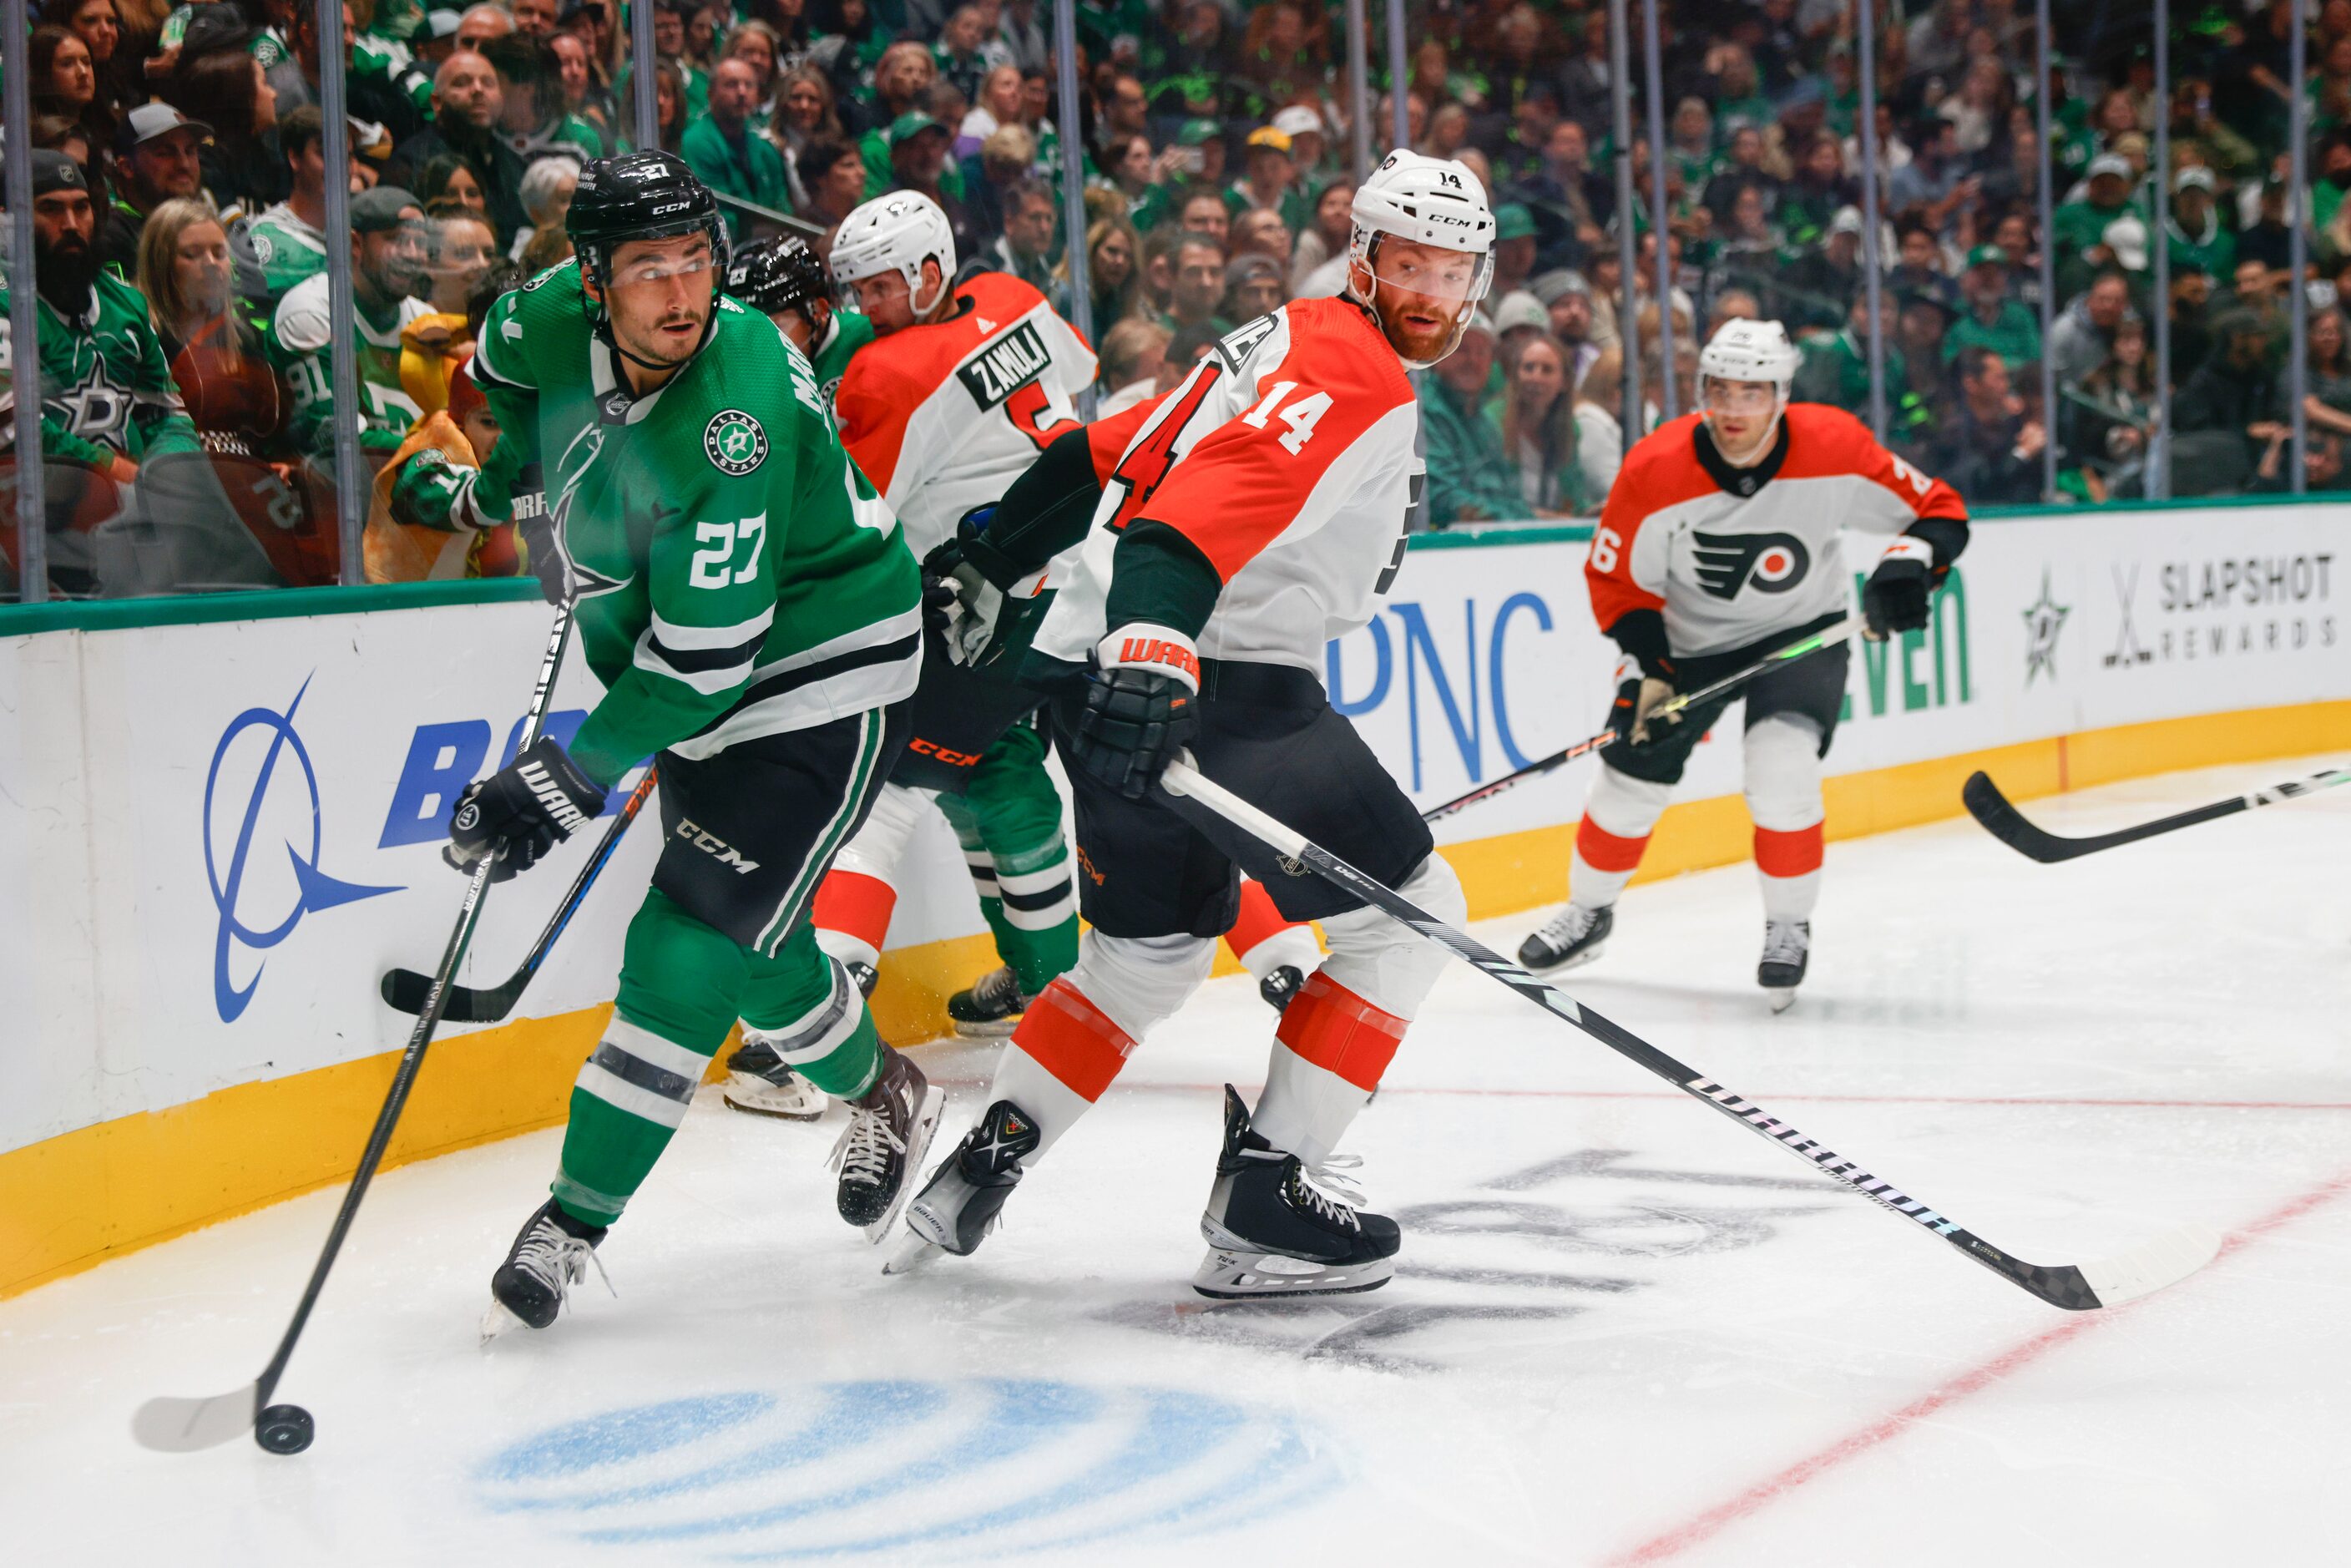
1288 458
943 417
1732 555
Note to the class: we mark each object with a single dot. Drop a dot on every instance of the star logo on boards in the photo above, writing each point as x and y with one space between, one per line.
2043 619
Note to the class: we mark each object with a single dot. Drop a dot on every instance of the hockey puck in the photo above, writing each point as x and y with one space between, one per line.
284 1429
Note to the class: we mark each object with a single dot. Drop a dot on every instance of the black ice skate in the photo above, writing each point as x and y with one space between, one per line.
549 1256
1271 1232
1280 983
1574 936
958 1206
1787 950
990 1008
890 1128
763 1083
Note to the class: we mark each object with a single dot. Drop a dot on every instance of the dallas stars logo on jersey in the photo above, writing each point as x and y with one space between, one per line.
734 442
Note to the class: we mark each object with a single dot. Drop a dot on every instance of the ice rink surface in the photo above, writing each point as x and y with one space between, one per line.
1623 1330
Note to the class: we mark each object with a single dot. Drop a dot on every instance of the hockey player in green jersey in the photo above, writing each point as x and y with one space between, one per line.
755 615
784 280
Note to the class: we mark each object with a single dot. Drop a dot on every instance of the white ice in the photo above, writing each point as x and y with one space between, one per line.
1623 1330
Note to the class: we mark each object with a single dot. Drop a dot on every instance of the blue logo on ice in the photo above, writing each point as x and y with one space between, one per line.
314 889
903 1471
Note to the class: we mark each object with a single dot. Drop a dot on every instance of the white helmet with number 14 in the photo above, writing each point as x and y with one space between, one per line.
1423 201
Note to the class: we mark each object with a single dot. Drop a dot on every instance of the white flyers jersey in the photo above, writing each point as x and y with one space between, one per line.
944 416
1733 555
1287 459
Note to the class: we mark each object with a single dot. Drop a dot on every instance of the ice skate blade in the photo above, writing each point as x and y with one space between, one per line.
1227 1275
915 1255
986 1028
1780 997
1573 961
498 1320
919 1143
757 1097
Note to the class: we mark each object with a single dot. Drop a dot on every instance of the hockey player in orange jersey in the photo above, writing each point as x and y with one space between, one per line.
1718 544
1256 512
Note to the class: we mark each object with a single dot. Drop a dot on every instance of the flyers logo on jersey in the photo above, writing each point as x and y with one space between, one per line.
1769 563
1003 367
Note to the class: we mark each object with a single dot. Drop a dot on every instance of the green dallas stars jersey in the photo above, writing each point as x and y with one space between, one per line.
106 387
296 341
844 334
736 576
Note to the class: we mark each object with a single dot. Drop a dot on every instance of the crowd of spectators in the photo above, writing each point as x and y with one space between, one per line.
183 186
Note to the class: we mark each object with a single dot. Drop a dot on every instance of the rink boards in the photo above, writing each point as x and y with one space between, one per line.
217 833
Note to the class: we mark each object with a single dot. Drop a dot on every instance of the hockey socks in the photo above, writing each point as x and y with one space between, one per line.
1264 942
683 984
1009 822
1329 1054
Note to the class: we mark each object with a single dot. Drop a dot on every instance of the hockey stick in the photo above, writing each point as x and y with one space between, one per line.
1827 636
2003 821
2104 1283
405 990
181 1426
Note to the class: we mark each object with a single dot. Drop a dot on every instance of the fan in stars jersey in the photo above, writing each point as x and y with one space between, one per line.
1719 543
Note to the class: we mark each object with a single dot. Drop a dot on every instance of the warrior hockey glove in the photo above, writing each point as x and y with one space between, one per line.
1141 705
1896 597
540 552
521 811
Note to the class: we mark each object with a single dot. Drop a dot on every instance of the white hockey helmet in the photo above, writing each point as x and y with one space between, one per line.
1742 350
896 233
1427 201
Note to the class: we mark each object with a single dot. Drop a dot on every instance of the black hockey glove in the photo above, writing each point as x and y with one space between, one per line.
1641 690
1142 703
521 811
1896 597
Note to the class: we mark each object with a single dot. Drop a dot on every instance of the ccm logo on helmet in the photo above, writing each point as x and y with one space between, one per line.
1769 563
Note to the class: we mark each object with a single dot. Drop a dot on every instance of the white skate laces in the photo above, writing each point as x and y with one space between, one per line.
864 1151
1568 926
1331 1189
559 1261
1785 941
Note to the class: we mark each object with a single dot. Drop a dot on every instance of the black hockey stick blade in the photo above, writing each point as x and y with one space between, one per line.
2104 1283
2003 821
404 990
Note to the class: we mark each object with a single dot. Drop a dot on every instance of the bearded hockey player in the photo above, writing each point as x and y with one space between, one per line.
1259 512
953 401
1719 543
755 616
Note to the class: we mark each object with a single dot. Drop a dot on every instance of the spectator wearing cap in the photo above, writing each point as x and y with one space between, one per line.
157 158
919 144
1992 319
1818 287
108 401
730 158
387 275
1514 247
1518 315
2083 332
467 106
2078 228
2193 230
1309 144
1253 286
1203 162
1470 478
289 239
1267 182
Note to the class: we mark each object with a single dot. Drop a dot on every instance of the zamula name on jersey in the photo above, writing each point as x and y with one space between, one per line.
1006 366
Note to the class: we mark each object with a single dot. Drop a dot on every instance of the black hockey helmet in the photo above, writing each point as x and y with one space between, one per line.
781 274
638 195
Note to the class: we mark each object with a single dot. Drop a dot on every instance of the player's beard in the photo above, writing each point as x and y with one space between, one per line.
652 350
1418 344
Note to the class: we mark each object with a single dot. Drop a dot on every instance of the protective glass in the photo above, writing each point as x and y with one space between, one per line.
662 268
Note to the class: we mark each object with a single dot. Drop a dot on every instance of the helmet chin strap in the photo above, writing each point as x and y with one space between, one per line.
1754 453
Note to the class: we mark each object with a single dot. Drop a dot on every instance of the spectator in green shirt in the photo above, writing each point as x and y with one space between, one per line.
730 159
1992 319
2079 228
2193 232
1470 478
